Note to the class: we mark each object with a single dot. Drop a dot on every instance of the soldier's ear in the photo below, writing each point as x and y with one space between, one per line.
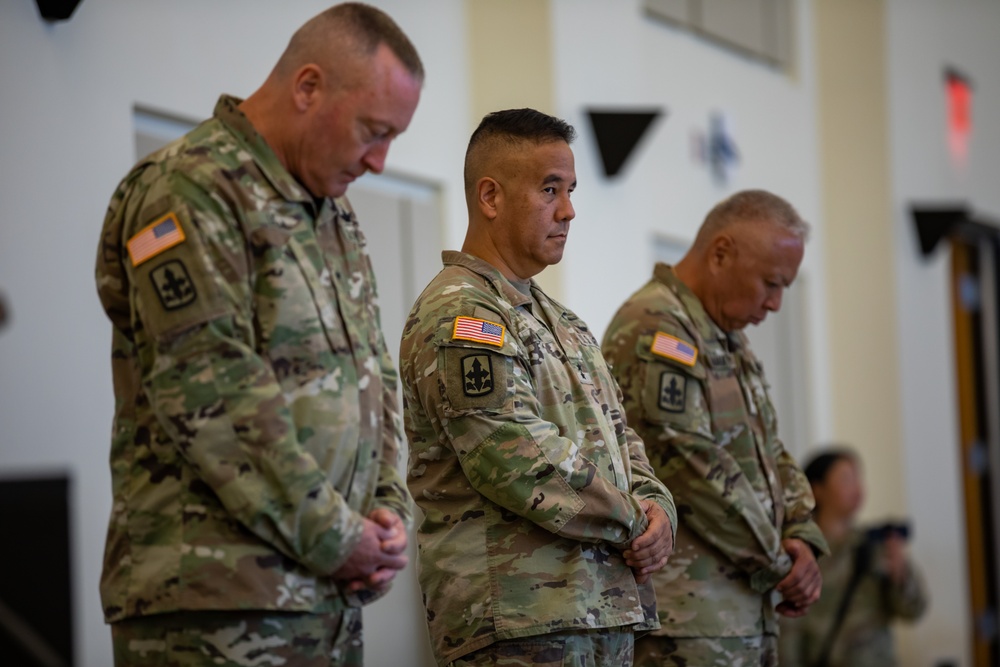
306 84
489 197
723 250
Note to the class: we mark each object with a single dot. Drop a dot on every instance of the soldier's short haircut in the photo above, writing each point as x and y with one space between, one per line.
508 128
360 28
753 206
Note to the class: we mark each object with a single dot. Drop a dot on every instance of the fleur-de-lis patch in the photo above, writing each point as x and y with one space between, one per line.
477 375
673 391
173 285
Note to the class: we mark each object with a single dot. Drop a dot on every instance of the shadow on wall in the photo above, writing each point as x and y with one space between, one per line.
4 311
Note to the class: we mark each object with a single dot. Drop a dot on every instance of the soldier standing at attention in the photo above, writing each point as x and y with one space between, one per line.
256 434
697 396
541 512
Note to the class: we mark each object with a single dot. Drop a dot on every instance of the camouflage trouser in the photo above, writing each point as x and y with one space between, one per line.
759 651
580 648
239 639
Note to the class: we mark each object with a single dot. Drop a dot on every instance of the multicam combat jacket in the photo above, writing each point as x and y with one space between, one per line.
256 418
698 398
521 460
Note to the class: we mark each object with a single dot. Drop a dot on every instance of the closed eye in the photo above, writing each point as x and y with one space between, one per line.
377 132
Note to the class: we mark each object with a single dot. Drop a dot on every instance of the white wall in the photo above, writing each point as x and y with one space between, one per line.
610 54
65 141
925 37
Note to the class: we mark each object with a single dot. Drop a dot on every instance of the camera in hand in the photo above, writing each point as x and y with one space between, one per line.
880 532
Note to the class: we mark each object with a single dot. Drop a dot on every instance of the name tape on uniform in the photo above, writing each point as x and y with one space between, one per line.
161 235
478 331
674 348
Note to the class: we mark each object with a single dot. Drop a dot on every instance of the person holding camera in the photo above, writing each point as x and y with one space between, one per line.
868 580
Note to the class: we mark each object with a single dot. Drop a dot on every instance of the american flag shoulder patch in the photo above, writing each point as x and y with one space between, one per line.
478 331
674 348
160 235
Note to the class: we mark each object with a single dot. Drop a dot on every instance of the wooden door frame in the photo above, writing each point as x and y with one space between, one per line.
973 267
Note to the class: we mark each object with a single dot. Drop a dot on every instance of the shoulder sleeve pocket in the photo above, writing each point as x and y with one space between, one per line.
672 391
475 360
175 291
476 377
645 352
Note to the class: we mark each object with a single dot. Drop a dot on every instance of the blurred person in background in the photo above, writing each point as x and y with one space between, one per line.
868 581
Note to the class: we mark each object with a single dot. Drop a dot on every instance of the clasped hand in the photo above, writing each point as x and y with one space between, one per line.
378 556
649 552
801 586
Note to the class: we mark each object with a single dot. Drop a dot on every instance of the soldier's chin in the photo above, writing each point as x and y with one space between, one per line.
338 187
336 190
556 250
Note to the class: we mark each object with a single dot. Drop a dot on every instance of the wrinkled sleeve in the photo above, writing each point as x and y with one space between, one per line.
220 401
719 504
523 464
799 504
645 484
391 492
518 460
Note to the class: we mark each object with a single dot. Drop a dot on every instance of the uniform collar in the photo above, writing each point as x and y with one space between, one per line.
228 113
707 328
483 268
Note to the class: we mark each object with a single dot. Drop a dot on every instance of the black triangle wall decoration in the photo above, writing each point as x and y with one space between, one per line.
56 10
936 222
618 133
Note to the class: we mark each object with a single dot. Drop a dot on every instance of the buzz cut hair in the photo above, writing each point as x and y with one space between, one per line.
751 206
508 128
356 27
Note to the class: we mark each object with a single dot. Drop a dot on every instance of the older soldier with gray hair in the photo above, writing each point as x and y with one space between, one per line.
697 395
256 437
541 513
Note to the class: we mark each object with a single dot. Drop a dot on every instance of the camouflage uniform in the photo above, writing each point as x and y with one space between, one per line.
239 639
256 419
698 398
578 648
664 651
520 458
864 638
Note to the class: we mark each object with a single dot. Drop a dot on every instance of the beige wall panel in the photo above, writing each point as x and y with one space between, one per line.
510 52
864 337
